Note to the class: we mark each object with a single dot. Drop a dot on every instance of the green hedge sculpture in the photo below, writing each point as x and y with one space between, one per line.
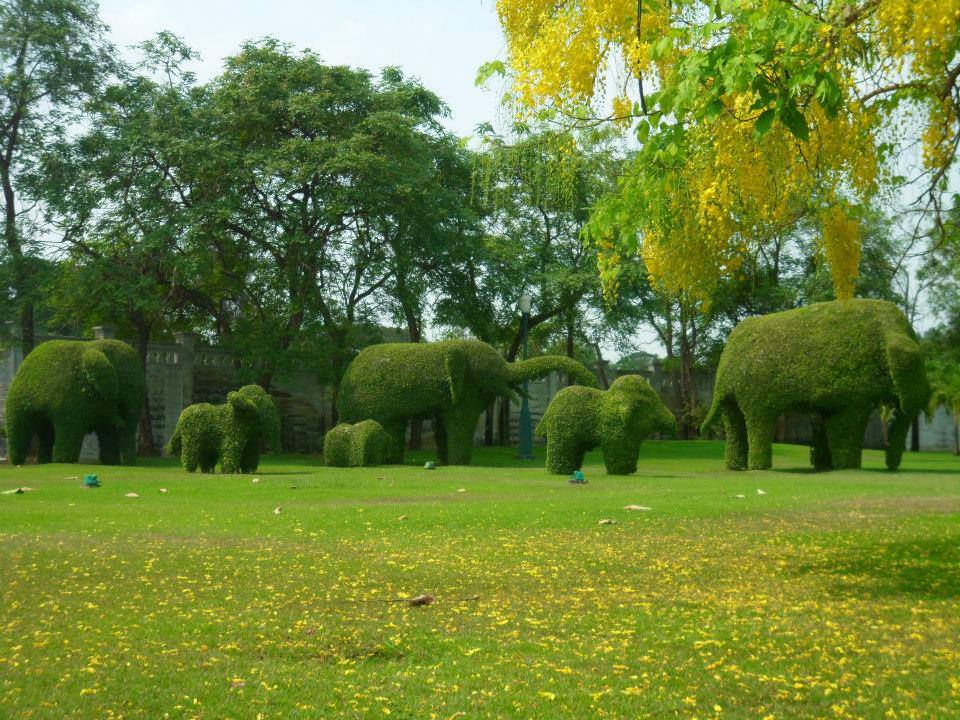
579 419
231 434
361 445
65 389
837 361
449 382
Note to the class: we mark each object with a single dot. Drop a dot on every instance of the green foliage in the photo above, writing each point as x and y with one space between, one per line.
231 434
450 382
361 445
579 419
65 389
837 361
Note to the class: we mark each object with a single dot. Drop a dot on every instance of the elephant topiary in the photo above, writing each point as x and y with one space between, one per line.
580 418
232 433
65 389
450 382
837 361
361 445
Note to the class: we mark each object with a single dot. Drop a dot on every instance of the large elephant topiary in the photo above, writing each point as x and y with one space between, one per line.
837 361
232 433
65 389
449 382
580 418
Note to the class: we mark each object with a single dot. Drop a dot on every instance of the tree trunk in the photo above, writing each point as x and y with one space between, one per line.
416 434
488 423
956 435
146 445
504 422
915 435
571 329
601 367
21 268
416 424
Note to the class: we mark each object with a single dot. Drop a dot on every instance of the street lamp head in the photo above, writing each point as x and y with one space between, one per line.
525 304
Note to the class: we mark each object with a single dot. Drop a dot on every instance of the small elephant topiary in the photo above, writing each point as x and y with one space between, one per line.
65 389
579 419
361 445
231 434
837 361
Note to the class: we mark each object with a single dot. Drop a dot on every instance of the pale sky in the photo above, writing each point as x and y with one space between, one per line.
441 42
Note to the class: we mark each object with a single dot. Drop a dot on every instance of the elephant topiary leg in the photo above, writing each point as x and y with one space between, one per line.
845 435
820 447
109 442
250 458
20 431
896 439
564 455
460 424
620 458
760 441
735 429
231 458
397 430
67 441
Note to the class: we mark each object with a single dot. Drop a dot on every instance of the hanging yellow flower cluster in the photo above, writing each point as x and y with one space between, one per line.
755 116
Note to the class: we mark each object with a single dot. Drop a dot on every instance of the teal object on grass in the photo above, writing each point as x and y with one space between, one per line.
577 478
430 466
91 481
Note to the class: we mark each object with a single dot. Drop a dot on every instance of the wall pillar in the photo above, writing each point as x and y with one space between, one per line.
186 355
105 332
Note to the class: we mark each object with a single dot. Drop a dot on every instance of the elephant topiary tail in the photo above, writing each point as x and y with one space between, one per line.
539 367
176 442
711 416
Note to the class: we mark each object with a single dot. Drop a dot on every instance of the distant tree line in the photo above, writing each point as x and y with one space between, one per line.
288 208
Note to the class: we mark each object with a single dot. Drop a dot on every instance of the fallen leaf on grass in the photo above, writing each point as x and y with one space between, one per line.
760 492
607 521
636 507
255 480
402 517
277 510
739 497
163 490
131 494
421 600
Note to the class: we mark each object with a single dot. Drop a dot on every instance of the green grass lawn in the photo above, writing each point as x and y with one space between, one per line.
832 595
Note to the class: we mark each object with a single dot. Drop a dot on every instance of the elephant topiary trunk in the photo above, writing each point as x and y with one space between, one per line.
837 361
579 419
449 382
231 434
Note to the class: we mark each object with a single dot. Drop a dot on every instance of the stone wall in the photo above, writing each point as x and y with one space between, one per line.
187 371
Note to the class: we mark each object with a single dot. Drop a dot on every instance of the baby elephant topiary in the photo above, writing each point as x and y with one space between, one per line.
65 389
361 445
581 418
231 434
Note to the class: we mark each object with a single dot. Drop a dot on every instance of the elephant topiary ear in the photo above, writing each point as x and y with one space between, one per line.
101 375
456 366
240 403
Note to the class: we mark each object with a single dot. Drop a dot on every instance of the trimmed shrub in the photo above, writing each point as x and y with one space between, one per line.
837 361
231 434
361 445
579 419
449 382
65 389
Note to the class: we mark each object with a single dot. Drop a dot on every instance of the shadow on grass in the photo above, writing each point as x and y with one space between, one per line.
922 568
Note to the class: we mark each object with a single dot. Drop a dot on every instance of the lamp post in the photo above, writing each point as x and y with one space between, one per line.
526 425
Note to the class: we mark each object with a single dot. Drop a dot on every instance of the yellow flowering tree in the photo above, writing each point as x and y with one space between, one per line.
753 115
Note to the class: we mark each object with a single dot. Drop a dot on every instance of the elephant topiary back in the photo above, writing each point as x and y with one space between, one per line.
65 389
